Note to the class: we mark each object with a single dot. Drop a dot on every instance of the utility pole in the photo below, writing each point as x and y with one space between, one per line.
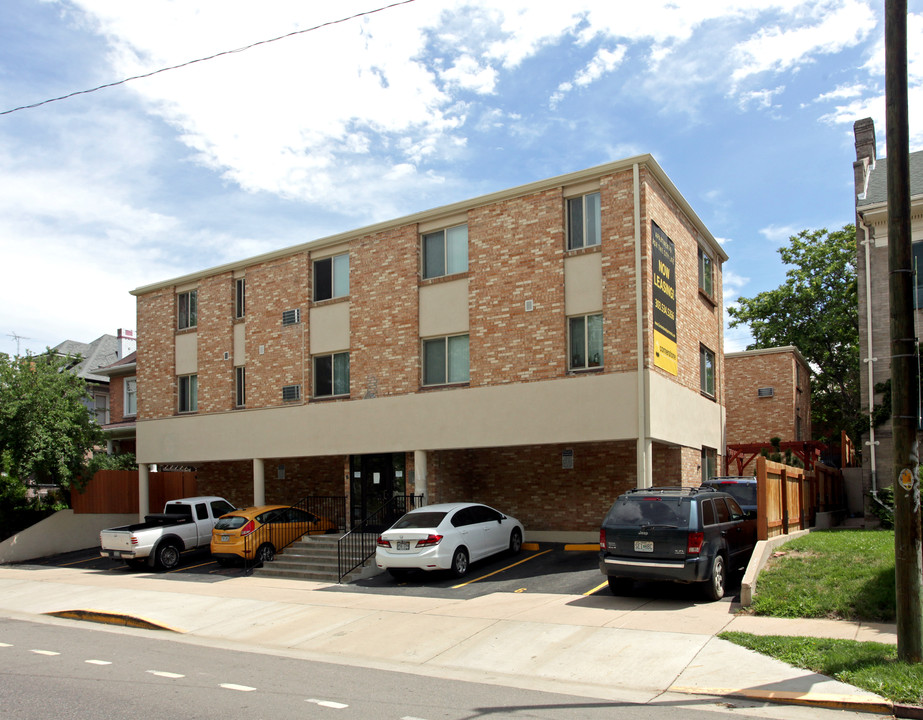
905 382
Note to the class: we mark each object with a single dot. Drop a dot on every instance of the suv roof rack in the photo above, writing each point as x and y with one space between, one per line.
673 489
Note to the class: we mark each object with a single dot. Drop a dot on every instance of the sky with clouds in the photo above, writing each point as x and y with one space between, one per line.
364 111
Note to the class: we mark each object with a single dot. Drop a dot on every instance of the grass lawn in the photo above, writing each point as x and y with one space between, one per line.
840 574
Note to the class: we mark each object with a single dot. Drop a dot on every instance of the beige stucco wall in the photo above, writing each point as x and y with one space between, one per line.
62 532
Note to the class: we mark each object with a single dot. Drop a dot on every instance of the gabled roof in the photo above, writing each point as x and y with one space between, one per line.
123 366
103 351
877 188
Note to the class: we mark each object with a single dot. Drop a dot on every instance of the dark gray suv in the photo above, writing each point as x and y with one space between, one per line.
679 534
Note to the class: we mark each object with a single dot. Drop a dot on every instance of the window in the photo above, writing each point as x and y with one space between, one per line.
131 396
240 386
917 249
188 393
709 463
583 224
445 360
186 310
331 375
240 298
331 277
707 371
98 405
706 283
445 252
586 341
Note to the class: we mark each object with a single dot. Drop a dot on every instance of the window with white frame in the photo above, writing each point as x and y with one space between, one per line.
445 252
186 309
445 360
240 386
240 298
585 340
583 221
707 371
187 391
331 277
706 273
131 396
331 375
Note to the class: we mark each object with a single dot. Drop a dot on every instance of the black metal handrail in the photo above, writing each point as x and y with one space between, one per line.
294 522
358 545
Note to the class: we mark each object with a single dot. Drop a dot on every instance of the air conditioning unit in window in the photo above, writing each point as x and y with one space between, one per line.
291 317
291 392
764 392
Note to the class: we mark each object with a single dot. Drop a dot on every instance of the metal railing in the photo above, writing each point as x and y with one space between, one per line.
358 545
292 523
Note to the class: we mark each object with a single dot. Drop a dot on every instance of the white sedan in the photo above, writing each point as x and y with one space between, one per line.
446 537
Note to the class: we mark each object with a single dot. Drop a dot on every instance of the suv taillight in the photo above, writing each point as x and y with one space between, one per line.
694 543
602 538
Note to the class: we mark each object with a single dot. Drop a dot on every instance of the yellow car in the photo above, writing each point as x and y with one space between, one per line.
255 533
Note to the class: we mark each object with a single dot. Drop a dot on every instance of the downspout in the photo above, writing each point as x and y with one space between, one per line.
871 359
642 459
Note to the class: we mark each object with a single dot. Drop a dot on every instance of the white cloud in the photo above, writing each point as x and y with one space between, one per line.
779 234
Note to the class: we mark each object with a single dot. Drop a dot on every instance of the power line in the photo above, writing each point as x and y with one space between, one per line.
204 59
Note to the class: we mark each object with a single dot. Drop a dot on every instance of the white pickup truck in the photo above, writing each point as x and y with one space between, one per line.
157 542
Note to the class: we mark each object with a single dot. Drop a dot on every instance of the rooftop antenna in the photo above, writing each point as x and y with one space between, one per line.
17 338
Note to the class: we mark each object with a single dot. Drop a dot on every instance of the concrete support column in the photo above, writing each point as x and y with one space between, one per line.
419 465
259 482
144 490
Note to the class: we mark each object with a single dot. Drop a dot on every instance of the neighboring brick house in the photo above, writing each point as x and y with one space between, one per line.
123 405
768 395
540 349
870 175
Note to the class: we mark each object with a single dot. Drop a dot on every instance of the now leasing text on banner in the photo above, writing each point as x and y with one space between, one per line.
663 256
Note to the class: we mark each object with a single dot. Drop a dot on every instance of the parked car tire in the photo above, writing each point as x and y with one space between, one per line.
167 556
515 541
460 562
714 586
619 585
265 553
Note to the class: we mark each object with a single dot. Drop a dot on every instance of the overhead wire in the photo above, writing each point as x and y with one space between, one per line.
205 59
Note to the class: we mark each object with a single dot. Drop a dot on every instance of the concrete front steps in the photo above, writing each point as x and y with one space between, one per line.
314 557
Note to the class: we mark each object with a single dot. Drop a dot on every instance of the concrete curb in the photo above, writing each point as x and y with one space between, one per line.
857 703
108 618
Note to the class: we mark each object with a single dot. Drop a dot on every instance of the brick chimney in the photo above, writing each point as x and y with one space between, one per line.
127 342
864 132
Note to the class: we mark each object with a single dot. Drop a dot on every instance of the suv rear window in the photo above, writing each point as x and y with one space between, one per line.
639 510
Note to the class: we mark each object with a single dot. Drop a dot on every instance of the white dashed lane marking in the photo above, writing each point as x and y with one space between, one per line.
97 662
327 704
161 673
241 688
5 645
45 652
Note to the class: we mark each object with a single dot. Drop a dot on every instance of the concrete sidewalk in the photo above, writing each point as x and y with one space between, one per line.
626 649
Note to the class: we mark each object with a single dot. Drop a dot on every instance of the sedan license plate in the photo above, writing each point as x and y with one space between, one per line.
403 545
644 546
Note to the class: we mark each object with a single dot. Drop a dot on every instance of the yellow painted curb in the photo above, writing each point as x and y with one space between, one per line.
109 618
530 546
862 703
582 547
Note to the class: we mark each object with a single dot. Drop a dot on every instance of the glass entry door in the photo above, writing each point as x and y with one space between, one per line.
374 480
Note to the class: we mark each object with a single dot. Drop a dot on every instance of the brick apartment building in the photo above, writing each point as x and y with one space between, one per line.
768 394
540 349
870 176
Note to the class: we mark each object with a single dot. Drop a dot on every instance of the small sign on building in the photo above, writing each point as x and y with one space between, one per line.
567 459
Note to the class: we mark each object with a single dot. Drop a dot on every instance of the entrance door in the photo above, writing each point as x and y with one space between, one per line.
374 480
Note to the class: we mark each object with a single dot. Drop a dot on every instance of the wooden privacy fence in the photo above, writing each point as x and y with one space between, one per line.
789 499
116 491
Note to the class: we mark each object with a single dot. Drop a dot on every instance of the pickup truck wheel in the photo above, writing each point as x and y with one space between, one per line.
167 556
265 553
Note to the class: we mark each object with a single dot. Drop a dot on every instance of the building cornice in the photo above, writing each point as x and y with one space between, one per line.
434 214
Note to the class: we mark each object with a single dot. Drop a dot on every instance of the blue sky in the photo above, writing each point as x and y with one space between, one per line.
747 105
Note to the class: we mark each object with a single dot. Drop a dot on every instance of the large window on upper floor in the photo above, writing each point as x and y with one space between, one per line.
585 340
445 360
707 371
331 277
240 298
240 386
186 309
131 396
583 221
706 273
445 252
331 375
187 393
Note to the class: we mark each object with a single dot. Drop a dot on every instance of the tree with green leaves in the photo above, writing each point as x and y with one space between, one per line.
816 309
47 431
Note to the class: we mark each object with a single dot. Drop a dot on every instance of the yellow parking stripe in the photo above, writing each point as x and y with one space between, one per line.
484 577
596 589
